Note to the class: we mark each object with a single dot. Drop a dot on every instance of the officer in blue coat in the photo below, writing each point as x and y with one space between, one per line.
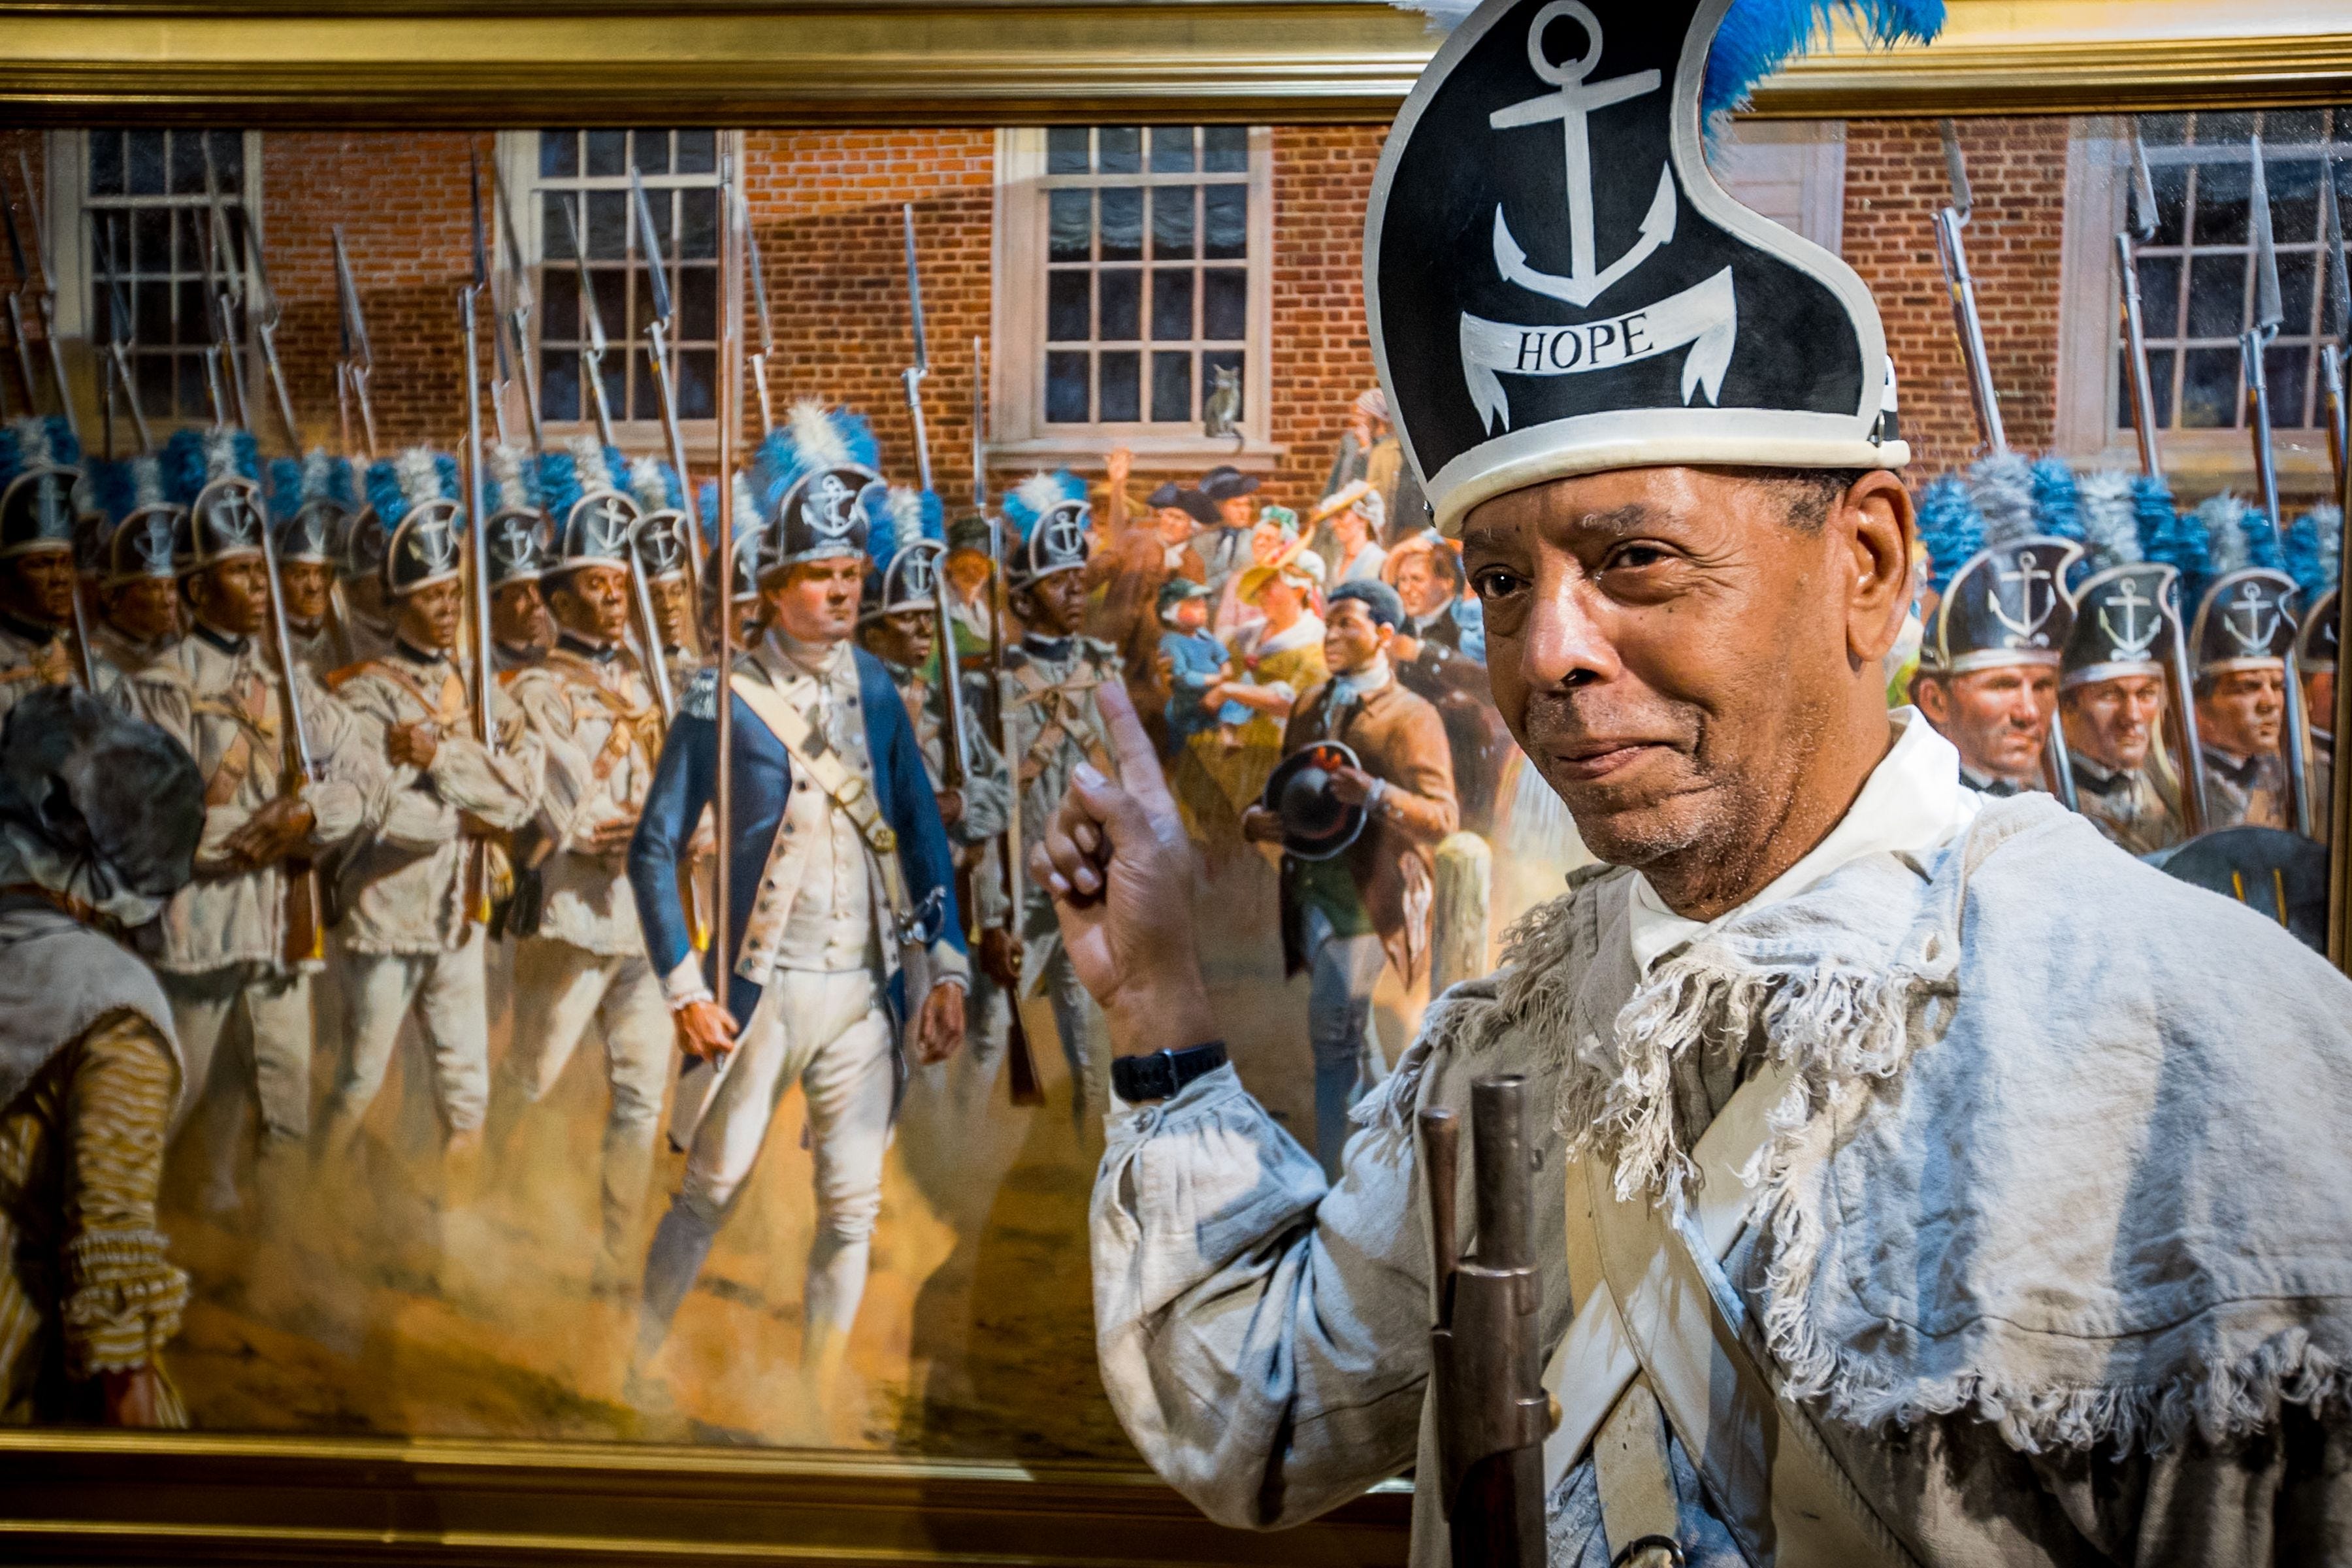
843 914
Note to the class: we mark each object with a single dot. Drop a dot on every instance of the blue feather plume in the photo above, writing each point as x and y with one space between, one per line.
2153 513
1030 500
1758 37
2057 500
184 465
115 487
2313 542
559 484
284 487
1949 526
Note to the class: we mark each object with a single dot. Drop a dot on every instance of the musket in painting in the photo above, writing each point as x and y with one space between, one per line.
120 336
2254 346
514 330
16 303
592 351
1966 319
357 361
952 771
44 298
657 335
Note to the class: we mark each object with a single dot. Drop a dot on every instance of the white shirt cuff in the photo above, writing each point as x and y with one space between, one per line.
684 986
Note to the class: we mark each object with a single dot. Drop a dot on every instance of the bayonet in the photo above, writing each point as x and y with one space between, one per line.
44 298
2143 224
592 357
15 298
734 247
501 368
759 305
265 317
1966 319
979 431
517 313
359 357
912 377
665 379
469 308
952 768
229 284
2253 345
120 331
2335 359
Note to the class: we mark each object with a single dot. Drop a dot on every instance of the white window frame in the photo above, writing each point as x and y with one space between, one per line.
64 203
2099 188
1792 171
518 159
1018 432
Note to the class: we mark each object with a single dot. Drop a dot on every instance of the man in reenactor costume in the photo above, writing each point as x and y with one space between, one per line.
139 590
309 548
1050 694
414 890
38 579
843 920
663 547
2111 700
2244 627
1225 551
1358 829
100 815
1918 1178
236 947
2315 662
1988 676
581 954
517 542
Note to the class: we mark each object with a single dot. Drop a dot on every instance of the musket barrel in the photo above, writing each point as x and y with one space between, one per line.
1441 1164
957 767
2194 804
477 533
2143 392
731 247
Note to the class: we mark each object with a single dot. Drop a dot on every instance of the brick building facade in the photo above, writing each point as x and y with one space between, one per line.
826 205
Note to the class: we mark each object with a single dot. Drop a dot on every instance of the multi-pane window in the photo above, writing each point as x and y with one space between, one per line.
583 177
2197 275
1147 273
148 206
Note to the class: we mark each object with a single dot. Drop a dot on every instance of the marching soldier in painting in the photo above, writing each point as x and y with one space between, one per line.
1988 676
414 892
39 584
236 947
581 959
367 618
1920 1178
139 590
1052 724
519 629
662 545
2241 637
308 547
1359 823
2112 697
843 898
100 817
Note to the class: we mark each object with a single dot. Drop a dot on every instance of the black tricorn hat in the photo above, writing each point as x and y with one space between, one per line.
2004 606
95 782
2247 622
1224 483
1316 824
2124 618
1558 286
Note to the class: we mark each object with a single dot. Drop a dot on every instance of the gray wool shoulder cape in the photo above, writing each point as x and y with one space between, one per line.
2063 1180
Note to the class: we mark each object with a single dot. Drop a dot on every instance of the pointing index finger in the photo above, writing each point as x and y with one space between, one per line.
1131 750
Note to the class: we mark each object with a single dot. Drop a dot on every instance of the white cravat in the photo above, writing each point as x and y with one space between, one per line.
1912 801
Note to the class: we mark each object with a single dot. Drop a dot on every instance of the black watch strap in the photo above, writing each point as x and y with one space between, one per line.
1163 1073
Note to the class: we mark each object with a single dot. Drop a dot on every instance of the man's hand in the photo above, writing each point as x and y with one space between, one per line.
1260 825
54 664
1000 957
939 1026
1119 868
950 807
134 1396
414 744
705 1030
610 839
1351 787
271 833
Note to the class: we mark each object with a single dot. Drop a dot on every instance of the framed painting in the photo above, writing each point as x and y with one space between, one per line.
442 1259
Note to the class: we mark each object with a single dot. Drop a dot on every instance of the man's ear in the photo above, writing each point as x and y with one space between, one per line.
1876 521
1928 695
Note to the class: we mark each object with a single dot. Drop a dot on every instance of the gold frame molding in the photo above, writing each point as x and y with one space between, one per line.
523 63
203 1499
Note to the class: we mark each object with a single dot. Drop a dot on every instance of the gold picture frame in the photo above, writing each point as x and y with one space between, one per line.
86 1497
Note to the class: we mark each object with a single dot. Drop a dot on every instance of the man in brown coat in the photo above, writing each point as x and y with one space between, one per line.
1346 917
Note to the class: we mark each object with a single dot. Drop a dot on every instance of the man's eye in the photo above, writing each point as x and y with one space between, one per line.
1636 557
1497 582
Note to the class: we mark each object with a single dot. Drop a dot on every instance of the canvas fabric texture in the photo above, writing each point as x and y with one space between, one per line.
2054 1247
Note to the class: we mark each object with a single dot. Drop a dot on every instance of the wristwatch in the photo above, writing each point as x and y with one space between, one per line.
1163 1073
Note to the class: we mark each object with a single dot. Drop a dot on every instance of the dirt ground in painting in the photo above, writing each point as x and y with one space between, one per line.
975 1337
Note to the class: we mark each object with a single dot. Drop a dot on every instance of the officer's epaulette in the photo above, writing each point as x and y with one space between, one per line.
701 698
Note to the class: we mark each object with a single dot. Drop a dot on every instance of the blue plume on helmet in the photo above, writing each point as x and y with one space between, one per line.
897 518
1034 497
2057 498
2314 544
2153 513
1758 37
1949 526
815 437
560 489
114 489
27 444
194 458
285 487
